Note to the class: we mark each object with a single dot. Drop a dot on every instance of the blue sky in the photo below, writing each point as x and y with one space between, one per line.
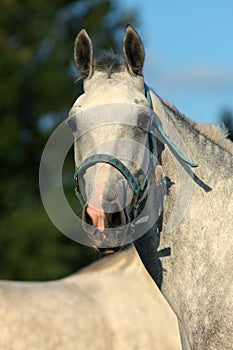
189 53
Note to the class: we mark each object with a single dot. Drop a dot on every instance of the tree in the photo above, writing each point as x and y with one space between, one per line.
227 119
37 89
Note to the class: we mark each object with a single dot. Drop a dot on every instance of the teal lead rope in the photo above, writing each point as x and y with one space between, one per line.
165 136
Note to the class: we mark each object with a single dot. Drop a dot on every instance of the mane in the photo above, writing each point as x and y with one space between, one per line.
109 62
214 133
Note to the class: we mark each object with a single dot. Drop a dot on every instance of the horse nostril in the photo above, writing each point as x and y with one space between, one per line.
117 219
100 220
94 218
87 218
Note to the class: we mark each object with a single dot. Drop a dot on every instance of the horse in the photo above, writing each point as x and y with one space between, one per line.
91 309
147 174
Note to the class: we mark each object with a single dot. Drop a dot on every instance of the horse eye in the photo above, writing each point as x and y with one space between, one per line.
72 124
143 121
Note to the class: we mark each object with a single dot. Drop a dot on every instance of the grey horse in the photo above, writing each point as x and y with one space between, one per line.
183 231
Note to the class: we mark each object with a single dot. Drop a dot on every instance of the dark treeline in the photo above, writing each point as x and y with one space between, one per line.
226 118
36 91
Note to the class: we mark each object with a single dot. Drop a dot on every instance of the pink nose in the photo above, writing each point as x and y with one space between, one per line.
96 218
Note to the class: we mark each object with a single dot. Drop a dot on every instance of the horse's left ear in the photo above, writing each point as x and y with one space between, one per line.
134 53
83 54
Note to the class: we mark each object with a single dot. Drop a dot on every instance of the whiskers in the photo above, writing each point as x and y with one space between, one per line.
92 252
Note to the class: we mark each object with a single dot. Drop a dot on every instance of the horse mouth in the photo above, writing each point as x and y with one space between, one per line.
106 232
107 251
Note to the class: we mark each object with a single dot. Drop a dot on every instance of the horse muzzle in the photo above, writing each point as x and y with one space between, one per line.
106 231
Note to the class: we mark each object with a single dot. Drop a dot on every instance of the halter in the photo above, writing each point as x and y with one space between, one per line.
138 189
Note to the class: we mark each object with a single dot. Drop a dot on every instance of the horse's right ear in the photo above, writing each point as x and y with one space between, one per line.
83 54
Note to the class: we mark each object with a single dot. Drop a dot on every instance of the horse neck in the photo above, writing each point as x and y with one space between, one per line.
199 241
205 144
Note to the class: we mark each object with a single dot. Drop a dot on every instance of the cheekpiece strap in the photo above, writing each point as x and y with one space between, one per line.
173 147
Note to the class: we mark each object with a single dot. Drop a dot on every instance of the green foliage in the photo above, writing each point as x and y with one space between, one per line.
227 120
36 91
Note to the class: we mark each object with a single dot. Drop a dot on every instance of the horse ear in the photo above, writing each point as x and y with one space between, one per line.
134 53
83 54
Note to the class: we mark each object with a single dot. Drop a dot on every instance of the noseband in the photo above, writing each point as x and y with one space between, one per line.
138 189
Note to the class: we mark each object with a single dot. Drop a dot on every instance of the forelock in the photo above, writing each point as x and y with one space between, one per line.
109 62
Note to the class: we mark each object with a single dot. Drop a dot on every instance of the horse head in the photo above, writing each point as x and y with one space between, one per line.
113 145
